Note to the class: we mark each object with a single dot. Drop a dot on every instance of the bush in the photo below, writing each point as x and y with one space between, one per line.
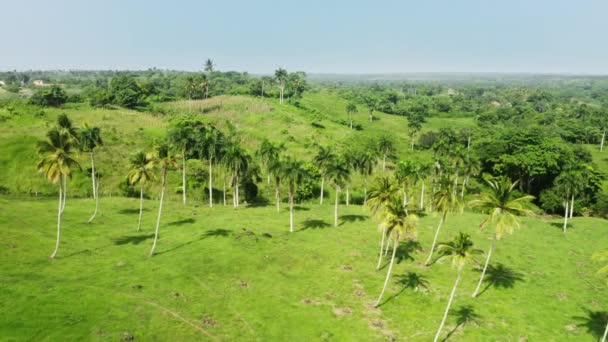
53 96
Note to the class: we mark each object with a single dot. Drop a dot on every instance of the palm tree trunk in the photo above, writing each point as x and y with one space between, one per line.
95 195
210 183
277 196
224 188
388 273
456 181
384 163
464 182
347 196
605 333
447 309
572 206
602 149
160 210
336 207
566 217
365 190
59 213
388 246
290 210
381 248
184 175
469 142
322 187
485 267
65 192
141 206
351 121
268 186
422 197
237 191
428 260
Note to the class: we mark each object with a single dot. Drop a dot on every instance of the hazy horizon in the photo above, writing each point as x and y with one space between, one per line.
340 38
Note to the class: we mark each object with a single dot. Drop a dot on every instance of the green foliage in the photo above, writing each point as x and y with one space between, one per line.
53 96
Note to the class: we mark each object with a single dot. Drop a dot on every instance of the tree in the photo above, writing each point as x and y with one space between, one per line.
90 138
503 210
380 195
398 224
459 252
268 153
67 129
237 162
351 108
364 163
276 169
372 102
281 76
181 137
403 175
209 66
167 161
471 168
446 201
53 96
125 92
338 174
140 173
324 159
293 172
568 183
56 163
414 124
209 142
385 147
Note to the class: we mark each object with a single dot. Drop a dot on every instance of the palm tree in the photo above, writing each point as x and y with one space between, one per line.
268 153
293 172
568 183
140 173
209 66
458 159
237 162
281 76
385 147
503 210
182 137
603 256
90 138
209 143
324 159
403 176
471 168
380 195
67 129
459 252
338 175
276 168
351 108
445 201
56 164
365 163
167 161
398 224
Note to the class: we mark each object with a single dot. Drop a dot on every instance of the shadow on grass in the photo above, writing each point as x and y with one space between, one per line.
314 224
464 315
410 280
406 249
560 225
500 276
353 218
131 211
181 222
210 233
133 239
299 208
594 321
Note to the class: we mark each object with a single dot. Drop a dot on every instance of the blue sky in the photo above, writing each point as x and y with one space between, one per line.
546 36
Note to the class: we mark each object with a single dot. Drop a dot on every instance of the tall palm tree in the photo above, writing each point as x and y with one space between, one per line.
167 161
181 136
385 147
324 159
141 172
276 168
503 210
380 195
281 76
67 129
459 252
365 163
471 168
237 161
458 159
603 256
338 175
56 163
268 153
351 108
293 172
349 159
209 143
398 224
403 175
209 66
568 183
90 138
446 201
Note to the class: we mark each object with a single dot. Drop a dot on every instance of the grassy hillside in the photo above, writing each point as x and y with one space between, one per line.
222 274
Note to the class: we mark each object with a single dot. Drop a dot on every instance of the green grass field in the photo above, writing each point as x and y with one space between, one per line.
217 276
